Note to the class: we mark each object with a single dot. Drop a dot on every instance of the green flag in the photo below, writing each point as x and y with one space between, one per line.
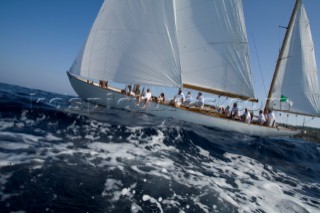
283 98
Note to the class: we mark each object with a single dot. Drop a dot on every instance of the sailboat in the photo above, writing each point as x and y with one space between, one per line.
200 45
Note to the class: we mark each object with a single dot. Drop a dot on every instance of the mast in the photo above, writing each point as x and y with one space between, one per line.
275 75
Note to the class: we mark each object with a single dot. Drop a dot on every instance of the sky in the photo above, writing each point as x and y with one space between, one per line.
39 39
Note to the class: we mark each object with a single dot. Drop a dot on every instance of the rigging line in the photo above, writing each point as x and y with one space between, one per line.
255 47
279 39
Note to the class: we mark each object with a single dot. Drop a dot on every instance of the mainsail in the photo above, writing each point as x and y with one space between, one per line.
295 85
213 47
132 42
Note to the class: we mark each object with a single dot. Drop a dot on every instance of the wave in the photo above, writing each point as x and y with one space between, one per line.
56 159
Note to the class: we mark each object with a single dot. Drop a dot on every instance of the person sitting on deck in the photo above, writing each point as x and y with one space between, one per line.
200 100
227 111
261 118
90 82
129 91
161 98
235 111
221 110
178 98
103 84
188 99
145 98
251 114
136 89
246 116
271 118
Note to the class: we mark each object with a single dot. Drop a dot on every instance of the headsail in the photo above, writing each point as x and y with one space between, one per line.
132 42
295 86
213 47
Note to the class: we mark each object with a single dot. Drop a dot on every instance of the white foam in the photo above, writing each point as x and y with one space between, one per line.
286 205
237 168
112 187
20 125
13 145
24 115
164 170
152 200
272 188
38 130
51 137
112 183
145 197
266 189
29 122
6 124
194 172
72 137
9 160
125 191
135 208
30 138
115 151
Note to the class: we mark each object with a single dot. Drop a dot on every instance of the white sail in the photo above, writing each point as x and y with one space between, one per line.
132 42
297 79
213 45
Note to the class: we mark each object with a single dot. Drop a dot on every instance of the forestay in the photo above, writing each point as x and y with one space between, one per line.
132 42
297 79
213 45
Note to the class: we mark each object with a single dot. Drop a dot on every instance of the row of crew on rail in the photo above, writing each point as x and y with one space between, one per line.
267 118
177 100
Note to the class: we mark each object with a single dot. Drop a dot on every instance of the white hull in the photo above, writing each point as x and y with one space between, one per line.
116 99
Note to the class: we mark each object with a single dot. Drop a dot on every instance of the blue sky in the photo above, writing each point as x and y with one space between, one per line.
39 39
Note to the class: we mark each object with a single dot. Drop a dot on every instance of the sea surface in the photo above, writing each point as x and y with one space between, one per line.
57 155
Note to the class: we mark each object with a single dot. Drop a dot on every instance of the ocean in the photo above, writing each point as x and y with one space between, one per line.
58 157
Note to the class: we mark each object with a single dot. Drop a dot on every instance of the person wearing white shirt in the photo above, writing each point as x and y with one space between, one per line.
227 111
261 118
178 99
129 91
188 99
200 100
146 97
235 111
271 118
246 116
161 98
